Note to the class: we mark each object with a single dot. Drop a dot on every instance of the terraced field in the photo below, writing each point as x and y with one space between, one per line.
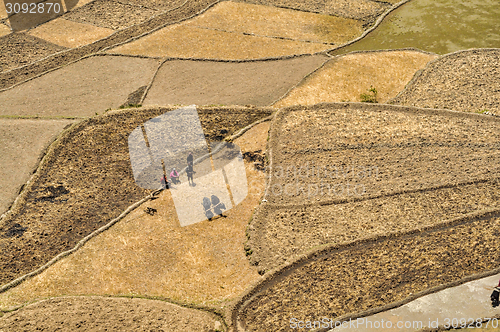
366 207
347 77
463 81
429 223
228 83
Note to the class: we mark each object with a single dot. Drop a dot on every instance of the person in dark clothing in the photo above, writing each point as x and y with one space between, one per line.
164 182
190 159
189 173
495 301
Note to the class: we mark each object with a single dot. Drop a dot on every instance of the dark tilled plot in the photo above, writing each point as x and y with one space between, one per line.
463 81
107 314
282 233
372 274
86 182
19 49
364 10
110 14
229 83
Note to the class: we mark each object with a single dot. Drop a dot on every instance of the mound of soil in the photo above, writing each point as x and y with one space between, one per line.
110 14
367 275
463 81
86 182
107 314
228 83
19 49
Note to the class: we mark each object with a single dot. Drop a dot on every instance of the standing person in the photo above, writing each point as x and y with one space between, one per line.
189 173
190 159
495 296
164 182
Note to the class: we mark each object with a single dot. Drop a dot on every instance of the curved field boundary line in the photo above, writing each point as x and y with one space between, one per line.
117 38
213 311
302 80
278 273
165 60
321 250
88 56
164 25
375 25
390 194
78 245
337 57
15 72
364 106
412 297
420 72
247 128
40 160
27 188
21 200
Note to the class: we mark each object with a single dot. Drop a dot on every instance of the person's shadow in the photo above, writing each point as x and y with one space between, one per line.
213 207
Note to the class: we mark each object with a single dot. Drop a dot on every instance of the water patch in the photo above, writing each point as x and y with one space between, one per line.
439 26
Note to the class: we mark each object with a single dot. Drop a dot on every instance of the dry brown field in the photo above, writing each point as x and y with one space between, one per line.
22 143
68 33
462 81
366 275
152 256
364 10
95 313
184 41
347 77
28 54
277 22
426 215
81 89
229 83
19 49
110 14
86 182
